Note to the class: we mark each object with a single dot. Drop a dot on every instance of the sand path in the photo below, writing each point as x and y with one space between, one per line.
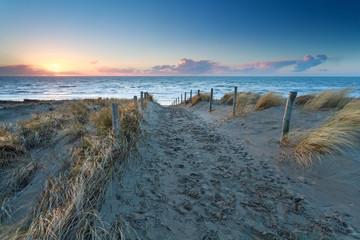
190 181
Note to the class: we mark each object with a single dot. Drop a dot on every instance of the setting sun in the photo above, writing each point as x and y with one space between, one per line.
54 67
179 119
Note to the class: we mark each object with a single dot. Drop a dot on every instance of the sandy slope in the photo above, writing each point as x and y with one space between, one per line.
50 159
333 185
192 180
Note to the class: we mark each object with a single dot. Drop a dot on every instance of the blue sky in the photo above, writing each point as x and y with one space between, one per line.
179 37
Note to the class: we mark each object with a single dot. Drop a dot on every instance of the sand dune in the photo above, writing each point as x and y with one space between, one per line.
196 177
200 175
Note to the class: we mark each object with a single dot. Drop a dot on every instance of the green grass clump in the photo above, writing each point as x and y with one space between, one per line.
328 99
203 97
269 100
339 134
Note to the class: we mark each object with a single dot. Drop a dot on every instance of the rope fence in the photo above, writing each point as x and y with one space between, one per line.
287 113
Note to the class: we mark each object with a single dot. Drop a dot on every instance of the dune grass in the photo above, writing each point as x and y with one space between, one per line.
68 207
245 102
301 100
336 136
203 97
17 178
269 100
10 146
328 99
228 98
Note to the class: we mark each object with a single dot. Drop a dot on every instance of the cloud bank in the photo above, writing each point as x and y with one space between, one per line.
121 71
24 70
190 67
185 67
308 62
29 70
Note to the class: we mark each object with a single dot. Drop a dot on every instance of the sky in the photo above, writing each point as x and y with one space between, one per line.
179 38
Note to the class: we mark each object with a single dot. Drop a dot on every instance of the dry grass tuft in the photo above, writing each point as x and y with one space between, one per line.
269 100
301 100
245 102
203 97
68 120
228 98
69 203
10 146
328 99
19 178
339 134
150 97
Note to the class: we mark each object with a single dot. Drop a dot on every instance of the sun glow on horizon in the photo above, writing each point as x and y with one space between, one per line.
55 67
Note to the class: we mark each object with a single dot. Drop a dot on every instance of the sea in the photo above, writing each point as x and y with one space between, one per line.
163 89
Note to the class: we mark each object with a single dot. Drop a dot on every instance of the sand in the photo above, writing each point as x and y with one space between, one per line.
50 159
197 176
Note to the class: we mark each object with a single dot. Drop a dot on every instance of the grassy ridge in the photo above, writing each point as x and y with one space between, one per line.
10 146
335 136
203 97
268 100
69 202
327 99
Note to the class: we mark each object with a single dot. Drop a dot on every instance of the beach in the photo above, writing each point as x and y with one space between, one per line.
198 174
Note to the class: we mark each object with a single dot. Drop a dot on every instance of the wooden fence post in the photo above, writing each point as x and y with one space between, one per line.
142 100
190 96
198 92
181 99
185 98
234 101
135 100
287 114
115 117
211 99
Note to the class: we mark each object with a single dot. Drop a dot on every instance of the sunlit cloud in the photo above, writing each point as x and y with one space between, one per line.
185 67
265 66
190 67
111 70
30 70
24 70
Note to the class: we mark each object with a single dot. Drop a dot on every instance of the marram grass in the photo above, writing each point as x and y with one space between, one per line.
328 99
203 97
228 98
340 134
245 102
269 100
68 207
10 146
301 100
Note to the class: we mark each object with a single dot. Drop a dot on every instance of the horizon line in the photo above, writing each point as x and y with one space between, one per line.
185 76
